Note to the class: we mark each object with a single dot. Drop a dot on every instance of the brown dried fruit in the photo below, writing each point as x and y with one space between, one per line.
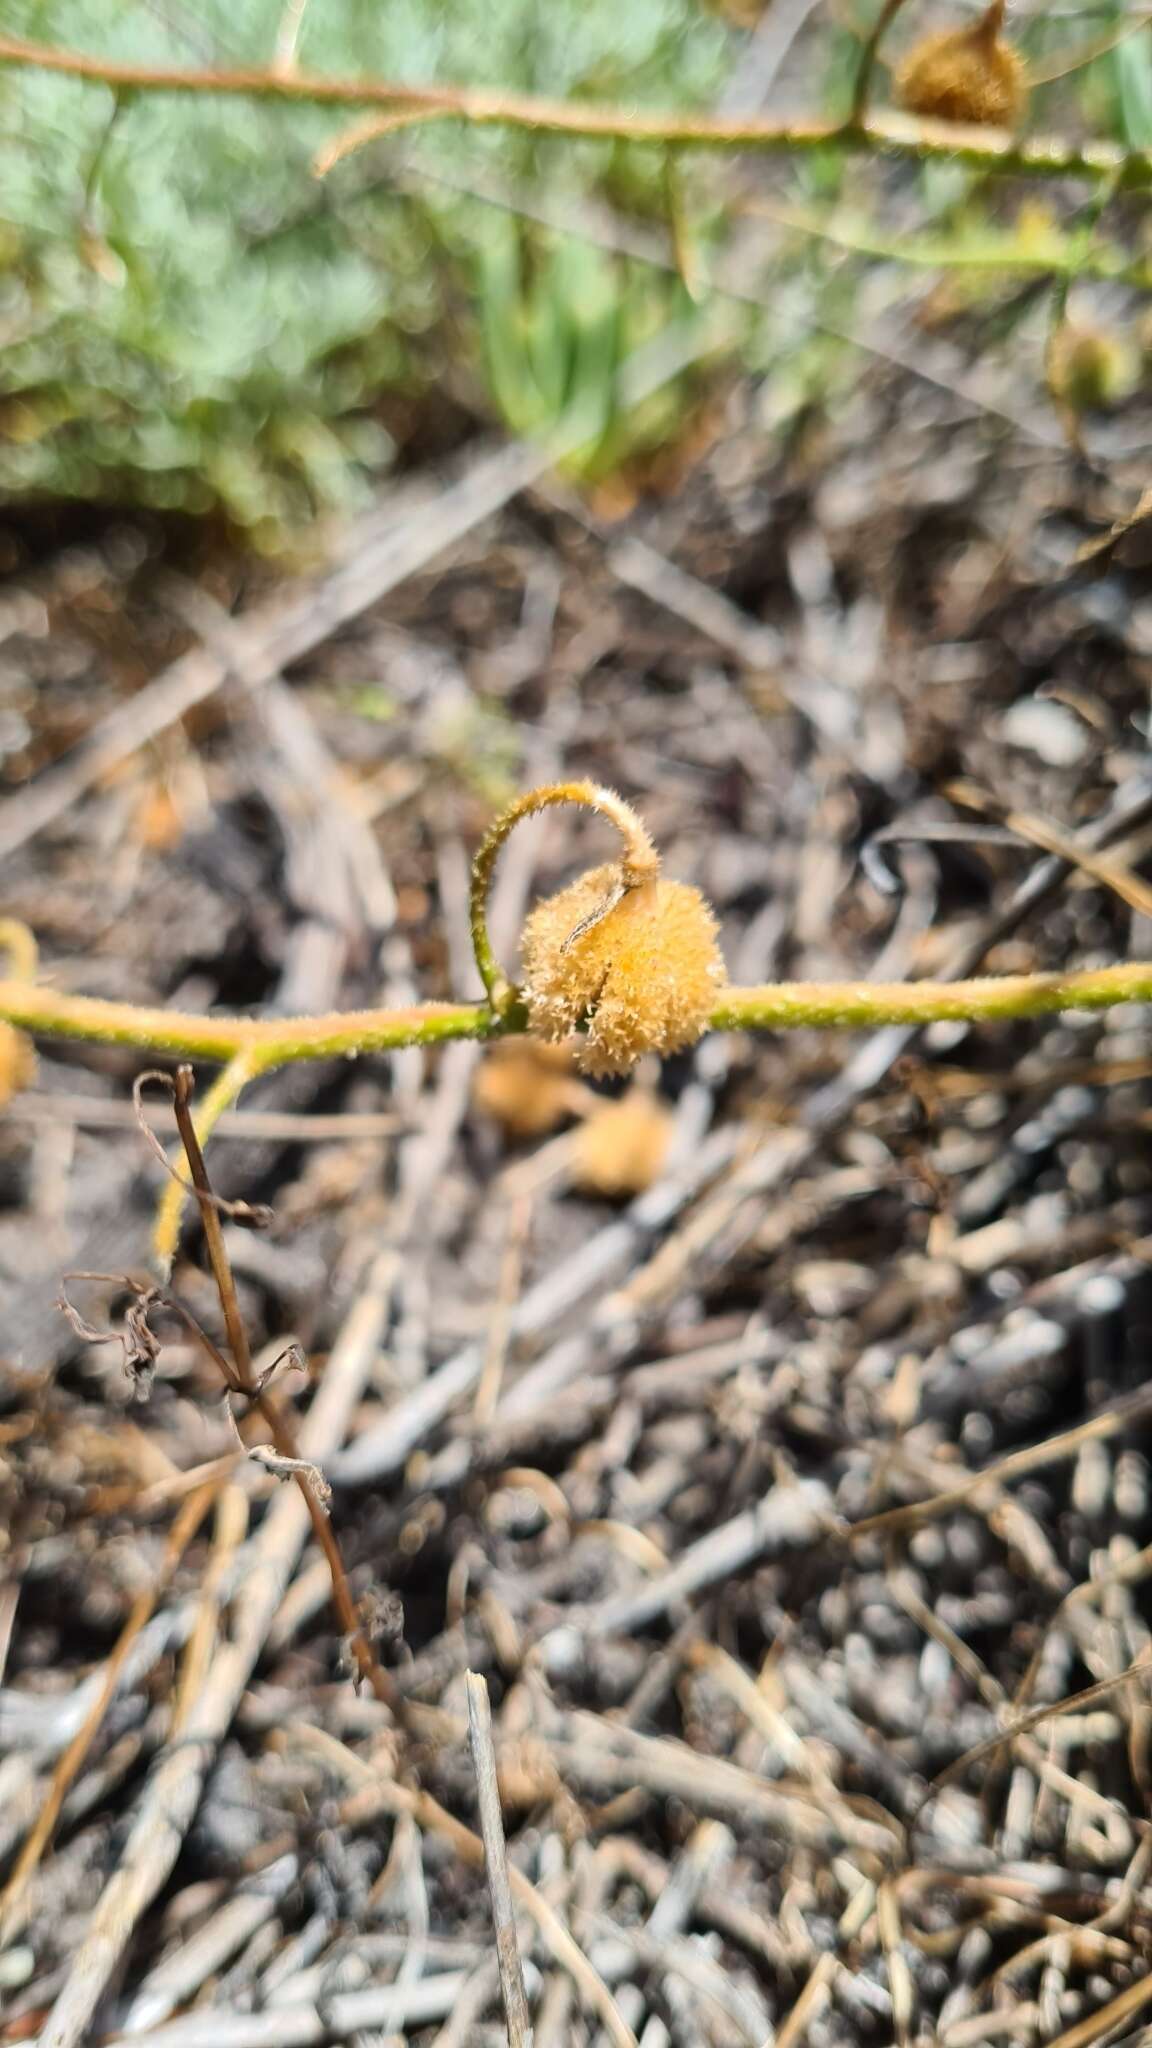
526 1087
622 1148
640 965
968 74
527 1774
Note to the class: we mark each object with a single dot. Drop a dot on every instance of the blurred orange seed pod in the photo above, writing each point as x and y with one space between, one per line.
969 74
528 1088
622 1147
640 965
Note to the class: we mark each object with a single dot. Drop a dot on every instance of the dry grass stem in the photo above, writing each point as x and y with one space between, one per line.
173 1791
512 1991
71 1763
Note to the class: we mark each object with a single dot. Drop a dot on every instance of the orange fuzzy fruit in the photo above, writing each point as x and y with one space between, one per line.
967 74
639 966
526 1087
623 1145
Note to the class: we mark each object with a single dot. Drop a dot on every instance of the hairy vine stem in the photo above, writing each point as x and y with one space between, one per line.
775 1006
246 1046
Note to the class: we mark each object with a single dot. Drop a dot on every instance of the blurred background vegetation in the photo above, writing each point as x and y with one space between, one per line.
193 320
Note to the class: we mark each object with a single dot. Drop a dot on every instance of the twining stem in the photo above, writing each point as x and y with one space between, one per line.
241 1069
640 863
217 1250
777 1006
888 134
20 946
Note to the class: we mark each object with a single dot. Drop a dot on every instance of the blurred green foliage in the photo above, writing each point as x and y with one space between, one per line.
559 318
192 320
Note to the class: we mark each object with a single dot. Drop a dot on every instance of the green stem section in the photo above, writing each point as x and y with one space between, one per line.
788 1005
889 133
777 1006
280 1040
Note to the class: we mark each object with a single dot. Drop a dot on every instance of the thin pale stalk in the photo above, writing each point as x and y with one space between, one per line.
889 134
231 1529
516 2014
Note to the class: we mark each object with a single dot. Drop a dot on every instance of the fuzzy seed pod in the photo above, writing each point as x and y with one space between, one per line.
640 965
968 74
622 1147
527 1774
17 1062
528 1088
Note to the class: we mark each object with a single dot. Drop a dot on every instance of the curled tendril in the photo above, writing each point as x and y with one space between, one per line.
622 955
137 1339
639 863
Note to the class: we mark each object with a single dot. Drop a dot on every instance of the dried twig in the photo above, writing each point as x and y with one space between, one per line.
500 1327
284 1457
1104 1688
496 1862
173 1791
377 1794
137 1340
70 1764
607 1758
862 85
787 1516
231 1529
286 1126
9 1601
346 2015
811 2001
222 1094
1099 2025
180 1974
1032 1458
1101 867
